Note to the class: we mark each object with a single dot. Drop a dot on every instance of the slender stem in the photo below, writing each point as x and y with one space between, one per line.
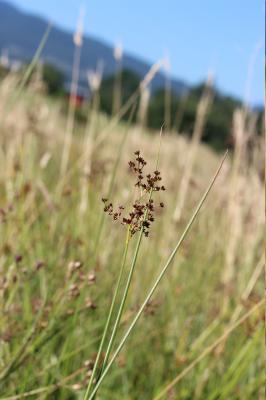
11 100
109 316
122 304
35 59
133 264
121 308
25 342
208 350
50 388
157 281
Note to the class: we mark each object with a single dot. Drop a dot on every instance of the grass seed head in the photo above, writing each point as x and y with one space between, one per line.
142 213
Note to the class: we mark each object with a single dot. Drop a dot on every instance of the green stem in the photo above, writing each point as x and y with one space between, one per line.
133 264
156 283
109 316
35 58
122 304
25 342
123 301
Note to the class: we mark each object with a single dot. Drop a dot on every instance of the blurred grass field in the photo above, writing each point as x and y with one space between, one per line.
52 314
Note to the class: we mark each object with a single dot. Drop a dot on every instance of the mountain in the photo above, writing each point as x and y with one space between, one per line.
21 33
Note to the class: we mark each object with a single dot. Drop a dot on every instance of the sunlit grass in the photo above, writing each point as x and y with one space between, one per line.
59 266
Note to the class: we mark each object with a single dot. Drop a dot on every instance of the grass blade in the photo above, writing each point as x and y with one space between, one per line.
208 350
158 280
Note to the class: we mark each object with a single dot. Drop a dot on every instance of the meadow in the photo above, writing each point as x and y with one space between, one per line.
200 334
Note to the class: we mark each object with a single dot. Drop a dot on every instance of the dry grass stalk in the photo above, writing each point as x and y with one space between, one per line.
118 55
249 288
155 68
143 107
94 80
202 111
73 93
209 350
167 94
235 212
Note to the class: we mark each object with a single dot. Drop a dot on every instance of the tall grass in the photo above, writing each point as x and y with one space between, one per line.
73 94
61 270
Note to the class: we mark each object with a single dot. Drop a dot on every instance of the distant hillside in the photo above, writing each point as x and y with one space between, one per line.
20 34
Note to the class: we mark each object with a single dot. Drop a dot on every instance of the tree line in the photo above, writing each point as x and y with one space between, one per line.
179 111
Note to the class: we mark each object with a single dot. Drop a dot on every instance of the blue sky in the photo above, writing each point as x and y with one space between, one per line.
225 36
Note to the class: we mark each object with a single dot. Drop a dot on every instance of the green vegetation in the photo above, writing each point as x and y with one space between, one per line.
183 109
197 333
129 84
53 79
3 72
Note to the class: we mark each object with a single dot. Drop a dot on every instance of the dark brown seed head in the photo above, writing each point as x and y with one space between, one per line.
141 214
39 264
18 258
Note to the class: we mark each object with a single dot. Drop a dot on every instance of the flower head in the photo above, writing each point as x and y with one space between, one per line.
141 215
